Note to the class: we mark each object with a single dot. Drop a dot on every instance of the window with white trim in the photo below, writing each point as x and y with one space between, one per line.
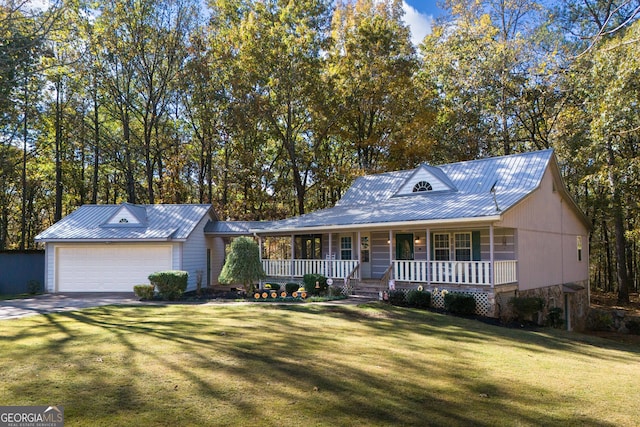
345 247
441 251
462 246
579 246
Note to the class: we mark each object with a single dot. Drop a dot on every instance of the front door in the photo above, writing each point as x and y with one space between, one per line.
404 246
365 256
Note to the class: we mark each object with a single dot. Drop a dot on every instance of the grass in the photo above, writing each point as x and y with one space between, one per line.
312 365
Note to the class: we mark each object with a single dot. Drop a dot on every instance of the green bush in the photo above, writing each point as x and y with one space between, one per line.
419 299
459 303
397 297
335 291
144 291
272 286
310 280
34 287
242 265
633 325
170 284
291 287
554 317
525 307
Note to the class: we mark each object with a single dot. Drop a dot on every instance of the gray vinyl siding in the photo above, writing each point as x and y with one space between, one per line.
217 246
49 273
379 254
194 254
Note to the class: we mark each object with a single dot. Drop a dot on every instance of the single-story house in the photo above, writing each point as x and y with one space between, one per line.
495 228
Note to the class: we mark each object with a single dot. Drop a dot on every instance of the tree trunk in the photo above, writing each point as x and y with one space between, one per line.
618 221
23 221
96 144
58 166
609 280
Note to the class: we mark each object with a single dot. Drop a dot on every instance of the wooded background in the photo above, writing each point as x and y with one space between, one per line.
271 108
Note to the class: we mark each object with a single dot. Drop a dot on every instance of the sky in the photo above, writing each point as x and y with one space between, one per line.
419 14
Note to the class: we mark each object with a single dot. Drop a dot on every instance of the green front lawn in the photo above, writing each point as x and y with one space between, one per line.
305 365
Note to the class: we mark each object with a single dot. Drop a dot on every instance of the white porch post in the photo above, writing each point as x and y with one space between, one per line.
260 249
330 257
428 251
491 250
293 254
359 248
391 251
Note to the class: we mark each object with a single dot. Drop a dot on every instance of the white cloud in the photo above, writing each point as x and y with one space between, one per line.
419 23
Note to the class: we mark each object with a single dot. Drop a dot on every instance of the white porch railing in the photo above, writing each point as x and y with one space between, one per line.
335 269
446 272
455 272
506 272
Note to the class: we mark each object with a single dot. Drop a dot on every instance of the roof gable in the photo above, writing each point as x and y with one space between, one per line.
426 178
128 215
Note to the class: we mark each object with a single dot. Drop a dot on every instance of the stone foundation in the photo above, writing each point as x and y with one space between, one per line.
553 296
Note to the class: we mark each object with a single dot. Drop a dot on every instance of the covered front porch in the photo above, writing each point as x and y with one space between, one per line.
478 256
477 273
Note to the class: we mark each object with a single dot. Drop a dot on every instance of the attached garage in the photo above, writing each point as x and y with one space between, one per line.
111 248
108 268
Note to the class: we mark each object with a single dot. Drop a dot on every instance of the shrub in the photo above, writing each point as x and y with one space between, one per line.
419 299
144 291
397 297
525 307
334 291
554 317
464 304
633 325
242 265
272 286
291 287
34 287
310 280
170 284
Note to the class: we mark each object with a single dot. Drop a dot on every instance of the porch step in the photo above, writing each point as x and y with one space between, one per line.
369 289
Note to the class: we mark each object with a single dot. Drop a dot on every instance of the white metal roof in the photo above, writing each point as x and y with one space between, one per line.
374 199
161 222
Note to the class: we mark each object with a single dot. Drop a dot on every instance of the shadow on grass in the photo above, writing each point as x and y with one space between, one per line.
323 365
392 320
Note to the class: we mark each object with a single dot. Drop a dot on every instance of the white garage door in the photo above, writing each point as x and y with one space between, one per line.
108 268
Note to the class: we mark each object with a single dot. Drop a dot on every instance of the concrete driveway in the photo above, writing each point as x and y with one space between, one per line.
52 303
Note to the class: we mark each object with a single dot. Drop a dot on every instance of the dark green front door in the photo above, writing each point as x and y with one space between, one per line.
404 246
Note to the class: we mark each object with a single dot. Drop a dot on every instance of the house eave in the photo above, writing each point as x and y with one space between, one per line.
133 240
381 225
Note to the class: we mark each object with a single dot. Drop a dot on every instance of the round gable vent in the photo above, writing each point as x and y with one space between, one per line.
422 186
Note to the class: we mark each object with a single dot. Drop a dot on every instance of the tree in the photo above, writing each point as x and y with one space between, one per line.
492 67
611 87
242 265
372 63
